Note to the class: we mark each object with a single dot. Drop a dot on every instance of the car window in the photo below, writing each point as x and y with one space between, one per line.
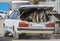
14 15
5 12
1 12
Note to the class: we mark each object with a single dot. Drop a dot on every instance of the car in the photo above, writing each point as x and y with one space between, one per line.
29 19
2 14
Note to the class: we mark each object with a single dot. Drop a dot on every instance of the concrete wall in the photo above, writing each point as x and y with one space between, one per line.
56 4
6 0
59 6
49 2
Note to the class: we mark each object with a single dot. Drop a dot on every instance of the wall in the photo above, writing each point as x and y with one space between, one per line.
5 0
49 2
4 6
58 6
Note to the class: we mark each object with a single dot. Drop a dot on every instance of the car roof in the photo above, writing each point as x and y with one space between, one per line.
20 2
36 6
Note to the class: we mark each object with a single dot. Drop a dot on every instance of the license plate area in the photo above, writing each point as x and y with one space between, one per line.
37 25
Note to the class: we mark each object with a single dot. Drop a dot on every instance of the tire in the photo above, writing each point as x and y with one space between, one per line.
6 34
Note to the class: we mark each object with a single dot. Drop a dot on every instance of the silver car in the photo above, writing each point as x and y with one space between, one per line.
3 14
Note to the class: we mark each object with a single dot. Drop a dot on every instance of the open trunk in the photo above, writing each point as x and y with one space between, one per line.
35 19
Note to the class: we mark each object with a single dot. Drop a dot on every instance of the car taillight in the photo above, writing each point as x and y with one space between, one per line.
50 25
22 24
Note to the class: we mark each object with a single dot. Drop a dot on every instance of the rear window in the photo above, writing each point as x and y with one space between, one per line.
33 14
14 15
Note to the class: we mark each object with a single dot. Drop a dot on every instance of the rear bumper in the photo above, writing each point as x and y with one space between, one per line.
41 31
37 32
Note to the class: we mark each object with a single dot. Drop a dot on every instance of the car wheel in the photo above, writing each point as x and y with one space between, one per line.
6 34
